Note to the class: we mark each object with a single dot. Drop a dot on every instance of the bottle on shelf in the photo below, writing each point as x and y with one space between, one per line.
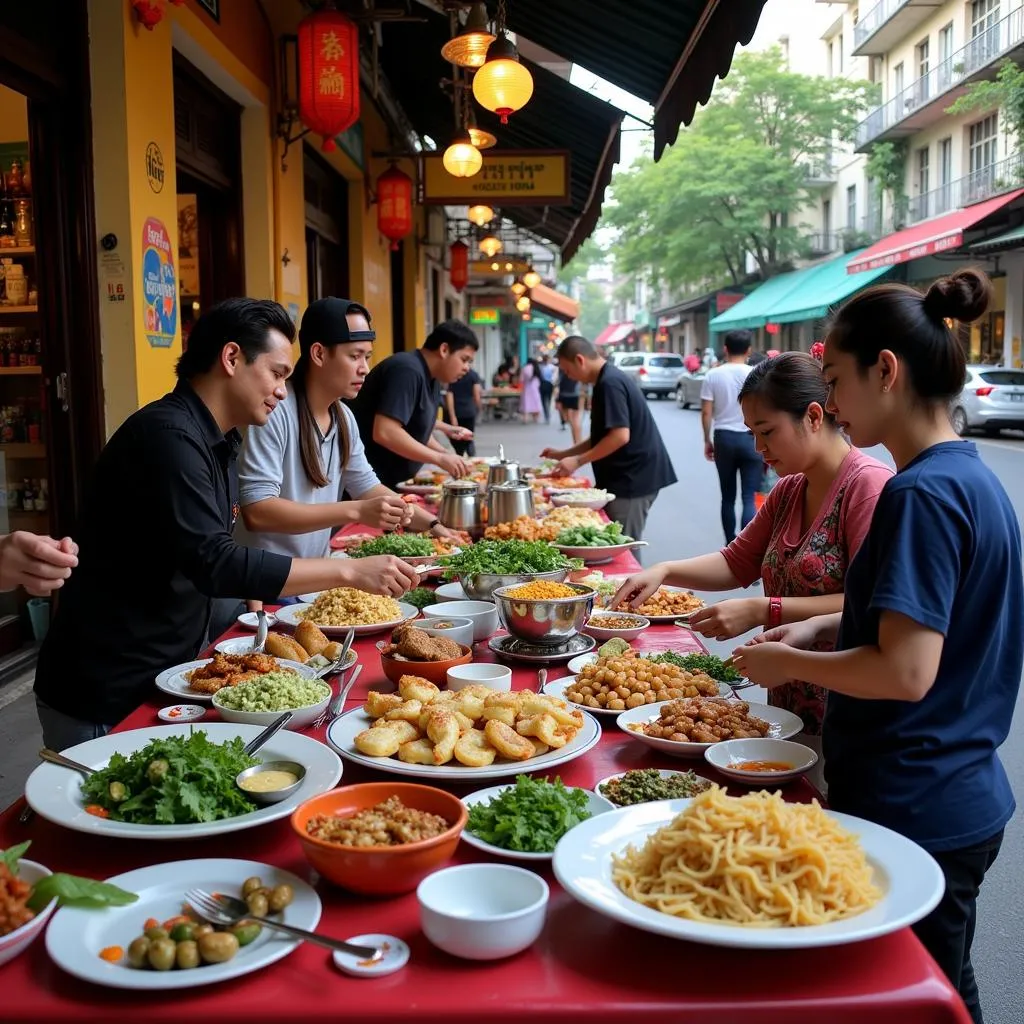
28 498
7 240
43 496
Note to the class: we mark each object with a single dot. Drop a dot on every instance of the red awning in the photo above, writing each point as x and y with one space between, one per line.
614 333
556 304
938 235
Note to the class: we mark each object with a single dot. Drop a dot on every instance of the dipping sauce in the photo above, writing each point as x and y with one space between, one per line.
761 766
442 625
268 781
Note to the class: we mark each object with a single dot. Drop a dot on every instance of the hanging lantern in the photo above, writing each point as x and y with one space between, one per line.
328 74
531 278
481 139
459 272
490 246
480 215
523 303
468 48
462 159
149 12
502 85
518 288
394 205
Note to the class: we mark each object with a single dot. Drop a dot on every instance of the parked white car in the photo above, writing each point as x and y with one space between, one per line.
688 388
655 372
992 400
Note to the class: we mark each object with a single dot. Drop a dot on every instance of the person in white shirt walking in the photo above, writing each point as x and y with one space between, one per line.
727 442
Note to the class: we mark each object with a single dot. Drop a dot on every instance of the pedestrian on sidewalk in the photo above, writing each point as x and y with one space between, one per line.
464 401
727 442
627 452
547 386
529 401
568 402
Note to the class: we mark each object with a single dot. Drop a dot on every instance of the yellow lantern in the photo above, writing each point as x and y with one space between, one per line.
480 215
503 85
490 245
468 48
462 159
518 288
495 265
531 278
523 303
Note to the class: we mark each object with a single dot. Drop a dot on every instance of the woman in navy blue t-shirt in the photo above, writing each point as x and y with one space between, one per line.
929 648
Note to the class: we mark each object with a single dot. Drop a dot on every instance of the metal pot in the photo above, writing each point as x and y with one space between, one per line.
461 506
509 501
503 471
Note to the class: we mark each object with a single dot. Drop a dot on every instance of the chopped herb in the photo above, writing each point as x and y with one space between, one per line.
507 558
709 664
645 784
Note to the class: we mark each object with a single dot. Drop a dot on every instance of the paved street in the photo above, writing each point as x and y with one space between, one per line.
683 522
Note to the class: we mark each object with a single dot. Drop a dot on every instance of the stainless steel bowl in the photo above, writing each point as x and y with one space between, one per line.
552 621
481 586
509 501
273 796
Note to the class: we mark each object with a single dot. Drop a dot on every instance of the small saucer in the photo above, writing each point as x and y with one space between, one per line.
181 713
248 620
514 649
396 956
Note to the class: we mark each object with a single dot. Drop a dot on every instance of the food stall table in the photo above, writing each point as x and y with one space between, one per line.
584 967
503 400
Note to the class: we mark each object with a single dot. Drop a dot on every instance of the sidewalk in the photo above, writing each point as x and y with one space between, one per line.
524 441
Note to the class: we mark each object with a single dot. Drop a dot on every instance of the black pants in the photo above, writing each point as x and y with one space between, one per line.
948 931
465 447
547 389
735 454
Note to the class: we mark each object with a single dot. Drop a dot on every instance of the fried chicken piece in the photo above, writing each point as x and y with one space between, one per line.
414 644
261 663
207 686
219 667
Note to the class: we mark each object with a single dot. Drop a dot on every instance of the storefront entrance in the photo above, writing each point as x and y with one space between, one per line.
326 201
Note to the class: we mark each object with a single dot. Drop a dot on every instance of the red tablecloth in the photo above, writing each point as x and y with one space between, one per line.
584 967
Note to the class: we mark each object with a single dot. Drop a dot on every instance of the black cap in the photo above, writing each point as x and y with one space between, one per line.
325 321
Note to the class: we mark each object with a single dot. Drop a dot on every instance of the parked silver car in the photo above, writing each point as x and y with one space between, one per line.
688 388
655 372
992 400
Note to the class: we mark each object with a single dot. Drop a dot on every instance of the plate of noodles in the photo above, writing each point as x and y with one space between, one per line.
684 868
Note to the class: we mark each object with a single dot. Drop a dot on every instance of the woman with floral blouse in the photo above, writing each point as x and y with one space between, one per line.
802 539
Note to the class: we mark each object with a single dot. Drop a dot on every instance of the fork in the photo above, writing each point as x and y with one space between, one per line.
227 910
336 707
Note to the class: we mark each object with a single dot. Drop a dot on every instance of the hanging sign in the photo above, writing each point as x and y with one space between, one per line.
159 285
526 177
485 317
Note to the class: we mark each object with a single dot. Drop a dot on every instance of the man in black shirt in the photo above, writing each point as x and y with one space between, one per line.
397 407
156 545
629 457
462 403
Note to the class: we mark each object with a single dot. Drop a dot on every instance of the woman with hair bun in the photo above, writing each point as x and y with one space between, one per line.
800 542
929 647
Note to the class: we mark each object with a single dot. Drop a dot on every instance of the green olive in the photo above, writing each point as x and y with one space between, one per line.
183 932
246 932
187 955
157 770
156 932
218 948
138 952
118 791
258 904
280 897
250 884
199 930
162 953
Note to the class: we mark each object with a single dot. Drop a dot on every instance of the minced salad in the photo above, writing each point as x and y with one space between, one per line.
275 691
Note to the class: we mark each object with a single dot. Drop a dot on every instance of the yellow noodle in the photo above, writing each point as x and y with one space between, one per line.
754 861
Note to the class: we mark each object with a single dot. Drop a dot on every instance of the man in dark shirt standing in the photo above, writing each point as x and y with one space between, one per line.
629 457
462 404
155 538
397 407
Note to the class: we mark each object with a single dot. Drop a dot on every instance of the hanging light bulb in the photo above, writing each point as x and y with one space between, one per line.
480 215
502 85
490 246
462 159
523 303
481 139
531 278
518 288
495 265
468 47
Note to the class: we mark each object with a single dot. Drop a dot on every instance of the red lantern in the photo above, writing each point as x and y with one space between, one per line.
394 205
328 74
459 272
149 12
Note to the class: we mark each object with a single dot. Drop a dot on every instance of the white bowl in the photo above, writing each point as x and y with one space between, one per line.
725 756
483 614
494 677
599 632
461 631
483 911
451 592
565 499
248 620
301 717
21 938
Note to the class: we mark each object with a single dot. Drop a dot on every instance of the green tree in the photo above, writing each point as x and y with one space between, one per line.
736 180
594 310
1006 92
887 165
589 254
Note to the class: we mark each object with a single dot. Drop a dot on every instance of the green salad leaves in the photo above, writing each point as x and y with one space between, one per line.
174 780
404 545
529 817
606 536
420 597
706 663
506 558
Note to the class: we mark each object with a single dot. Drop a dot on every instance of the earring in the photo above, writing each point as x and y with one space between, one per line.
885 387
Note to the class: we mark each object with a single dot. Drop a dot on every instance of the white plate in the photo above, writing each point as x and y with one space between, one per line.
596 804
910 879
410 488
343 731
396 956
557 688
76 936
663 772
579 663
782 725
173 681
564 499
181 713
290 615
619 580
55 793
248 620
596 555
451 592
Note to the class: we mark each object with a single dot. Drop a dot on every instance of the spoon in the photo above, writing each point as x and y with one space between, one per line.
65 762
261 632
274 727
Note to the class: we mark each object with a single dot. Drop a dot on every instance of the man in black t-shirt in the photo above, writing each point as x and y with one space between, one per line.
629 457
397 407
462 403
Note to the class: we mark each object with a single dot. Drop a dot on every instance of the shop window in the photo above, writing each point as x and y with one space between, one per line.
326 201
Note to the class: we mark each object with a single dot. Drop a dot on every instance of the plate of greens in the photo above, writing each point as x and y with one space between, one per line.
709 664
644 785
415 548
506 558
525 821
173 781
595 544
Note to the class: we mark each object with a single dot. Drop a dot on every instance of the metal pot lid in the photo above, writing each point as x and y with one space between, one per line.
459 487
511 485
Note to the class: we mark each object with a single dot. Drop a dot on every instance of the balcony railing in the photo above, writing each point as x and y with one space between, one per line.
821 243
956 70
821 171
875 19
972 188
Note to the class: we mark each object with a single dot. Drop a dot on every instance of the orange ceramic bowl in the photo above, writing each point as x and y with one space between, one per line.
380 870
435 671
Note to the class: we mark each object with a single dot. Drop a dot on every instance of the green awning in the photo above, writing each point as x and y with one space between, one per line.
1007 240
806 294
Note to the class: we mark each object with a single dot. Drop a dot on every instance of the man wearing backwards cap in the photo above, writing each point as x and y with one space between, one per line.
295 469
